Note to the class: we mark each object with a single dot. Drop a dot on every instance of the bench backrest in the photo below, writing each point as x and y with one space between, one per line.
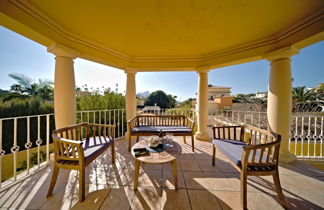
161 120
67 140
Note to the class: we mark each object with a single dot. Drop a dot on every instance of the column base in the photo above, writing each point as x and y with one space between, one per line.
202 136
286 157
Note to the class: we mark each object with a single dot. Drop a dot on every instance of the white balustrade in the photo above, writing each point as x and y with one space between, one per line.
306 139
32 134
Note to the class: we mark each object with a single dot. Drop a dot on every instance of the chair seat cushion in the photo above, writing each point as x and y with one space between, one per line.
94 146
156 129
231 148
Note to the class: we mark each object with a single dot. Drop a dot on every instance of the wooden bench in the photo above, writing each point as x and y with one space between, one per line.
148 125
77 146
252 151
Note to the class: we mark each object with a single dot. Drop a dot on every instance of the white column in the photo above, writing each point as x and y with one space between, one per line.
280 98
130 95
64 85
202 103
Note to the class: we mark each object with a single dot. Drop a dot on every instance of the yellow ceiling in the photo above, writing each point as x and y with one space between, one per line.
174 28
156 30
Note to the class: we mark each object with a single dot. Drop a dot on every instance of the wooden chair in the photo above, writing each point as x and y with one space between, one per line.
77 146
253 153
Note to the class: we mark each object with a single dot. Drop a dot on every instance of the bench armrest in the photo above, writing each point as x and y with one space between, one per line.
190 123
261 154
66 149
131 123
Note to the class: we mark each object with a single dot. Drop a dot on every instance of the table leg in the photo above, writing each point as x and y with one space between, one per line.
136 172
175 173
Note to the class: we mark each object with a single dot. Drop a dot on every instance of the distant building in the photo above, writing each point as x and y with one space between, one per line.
84 93
218 91
150 109
218 98
261 94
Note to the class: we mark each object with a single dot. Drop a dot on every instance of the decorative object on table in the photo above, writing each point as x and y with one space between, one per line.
141 151
158 148
153 142
161 136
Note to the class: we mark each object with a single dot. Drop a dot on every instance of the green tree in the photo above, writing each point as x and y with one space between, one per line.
187 104
26 88
161 99
301 94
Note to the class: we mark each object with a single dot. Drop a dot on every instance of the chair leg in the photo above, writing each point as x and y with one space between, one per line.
243 189
184 140
214 155
56 171
113 152
137 138
192 143
277 184
81 184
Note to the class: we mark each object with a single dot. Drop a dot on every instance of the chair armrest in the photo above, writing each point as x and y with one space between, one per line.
268 150
66 149
131 123
69 141
132 119
190 123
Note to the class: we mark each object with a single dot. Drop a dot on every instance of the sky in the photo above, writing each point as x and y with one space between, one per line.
21 55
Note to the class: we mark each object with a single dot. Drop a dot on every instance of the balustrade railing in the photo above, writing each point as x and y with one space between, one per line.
26 141
306 134
24 134
110 116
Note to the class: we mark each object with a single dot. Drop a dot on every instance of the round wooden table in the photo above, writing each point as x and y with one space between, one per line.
169 155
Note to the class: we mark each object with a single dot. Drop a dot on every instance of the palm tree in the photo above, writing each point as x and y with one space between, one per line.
301 94
27 88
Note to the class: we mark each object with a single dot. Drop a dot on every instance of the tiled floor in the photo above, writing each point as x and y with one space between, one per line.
201 186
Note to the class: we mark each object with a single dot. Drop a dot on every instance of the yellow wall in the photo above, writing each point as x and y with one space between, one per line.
7 161
224 101
296 149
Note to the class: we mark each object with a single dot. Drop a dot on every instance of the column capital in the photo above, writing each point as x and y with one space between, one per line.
202 69
281 53
129 70
63 51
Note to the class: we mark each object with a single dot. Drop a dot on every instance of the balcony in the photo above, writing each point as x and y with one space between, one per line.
144 37
110 186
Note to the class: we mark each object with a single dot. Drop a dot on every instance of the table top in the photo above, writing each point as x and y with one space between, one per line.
172 152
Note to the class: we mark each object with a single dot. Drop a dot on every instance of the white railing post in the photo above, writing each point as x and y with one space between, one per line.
105 118
315 136
2 152
322 136
28 145
308 136
47 137
123 134
39 141
81 121
15 149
